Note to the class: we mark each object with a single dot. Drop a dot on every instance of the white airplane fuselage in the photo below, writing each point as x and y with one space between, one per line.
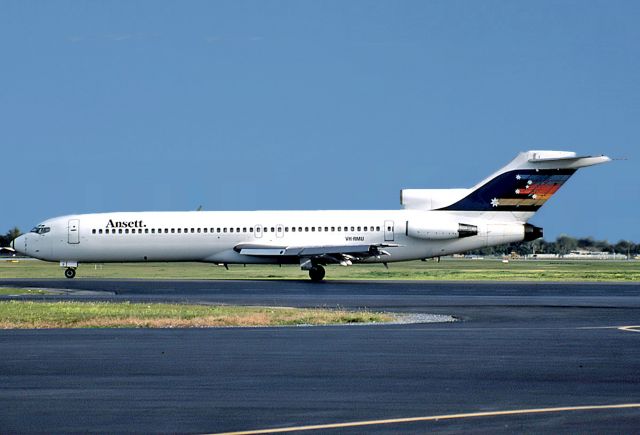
432 223
212 236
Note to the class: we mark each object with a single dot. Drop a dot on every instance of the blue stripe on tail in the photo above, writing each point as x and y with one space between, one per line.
517 190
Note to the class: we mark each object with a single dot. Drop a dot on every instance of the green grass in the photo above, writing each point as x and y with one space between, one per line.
29 314
448 269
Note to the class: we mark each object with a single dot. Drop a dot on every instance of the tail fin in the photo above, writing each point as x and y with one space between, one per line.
526 183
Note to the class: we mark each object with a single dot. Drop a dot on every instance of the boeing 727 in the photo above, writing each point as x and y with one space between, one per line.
431 223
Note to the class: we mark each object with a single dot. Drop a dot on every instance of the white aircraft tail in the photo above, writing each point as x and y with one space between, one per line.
522 186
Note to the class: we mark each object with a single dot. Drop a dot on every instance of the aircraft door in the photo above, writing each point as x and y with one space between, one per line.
279 231
388 231
74 231
257 231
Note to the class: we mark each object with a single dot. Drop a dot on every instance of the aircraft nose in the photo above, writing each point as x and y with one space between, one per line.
19 244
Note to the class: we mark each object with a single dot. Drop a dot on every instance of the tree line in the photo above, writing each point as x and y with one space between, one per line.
5 239
562 245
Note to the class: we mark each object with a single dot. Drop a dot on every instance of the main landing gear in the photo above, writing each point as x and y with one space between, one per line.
70 273
316 273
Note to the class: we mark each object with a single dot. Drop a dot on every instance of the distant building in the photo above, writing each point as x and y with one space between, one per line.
542 256
591 255
578 255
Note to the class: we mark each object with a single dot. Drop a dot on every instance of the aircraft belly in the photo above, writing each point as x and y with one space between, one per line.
114 251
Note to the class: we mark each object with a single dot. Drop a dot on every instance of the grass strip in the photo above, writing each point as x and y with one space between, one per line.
43 315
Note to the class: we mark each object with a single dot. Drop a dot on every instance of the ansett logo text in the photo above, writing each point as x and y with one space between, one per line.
125 224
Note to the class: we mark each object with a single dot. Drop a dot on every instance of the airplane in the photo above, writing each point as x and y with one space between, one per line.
431 223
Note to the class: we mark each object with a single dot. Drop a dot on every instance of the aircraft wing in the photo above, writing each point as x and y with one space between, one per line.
342 254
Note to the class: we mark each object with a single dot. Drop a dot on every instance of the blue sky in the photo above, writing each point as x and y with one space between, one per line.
245 105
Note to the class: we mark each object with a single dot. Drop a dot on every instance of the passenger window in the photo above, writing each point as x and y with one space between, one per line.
93 231
179 230
286 229
359 228
352 229
186 230
333 229
166 230
364 228
293 229
218 230
306 229
299 229
244 229
204 230
173 230
139 230
126 231
377 228
273 230
313 228
146 230
388 228
371 228
237 230
339 228
257 229
326 228
320 229
250 229
224 230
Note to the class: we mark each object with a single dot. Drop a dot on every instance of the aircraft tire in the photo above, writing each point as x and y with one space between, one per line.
70 273
316 273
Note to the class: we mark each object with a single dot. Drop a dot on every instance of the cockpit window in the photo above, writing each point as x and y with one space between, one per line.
41 229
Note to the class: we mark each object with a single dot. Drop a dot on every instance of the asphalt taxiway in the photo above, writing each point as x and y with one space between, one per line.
552 357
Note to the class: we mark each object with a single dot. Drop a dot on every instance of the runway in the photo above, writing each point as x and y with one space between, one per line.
518 347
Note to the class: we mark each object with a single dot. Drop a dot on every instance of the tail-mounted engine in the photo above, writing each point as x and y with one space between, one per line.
440 230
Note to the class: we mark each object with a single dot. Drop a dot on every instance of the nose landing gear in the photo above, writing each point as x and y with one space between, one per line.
70 271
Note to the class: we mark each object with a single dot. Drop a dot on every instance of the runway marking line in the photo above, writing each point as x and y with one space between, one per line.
434 418
630 328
